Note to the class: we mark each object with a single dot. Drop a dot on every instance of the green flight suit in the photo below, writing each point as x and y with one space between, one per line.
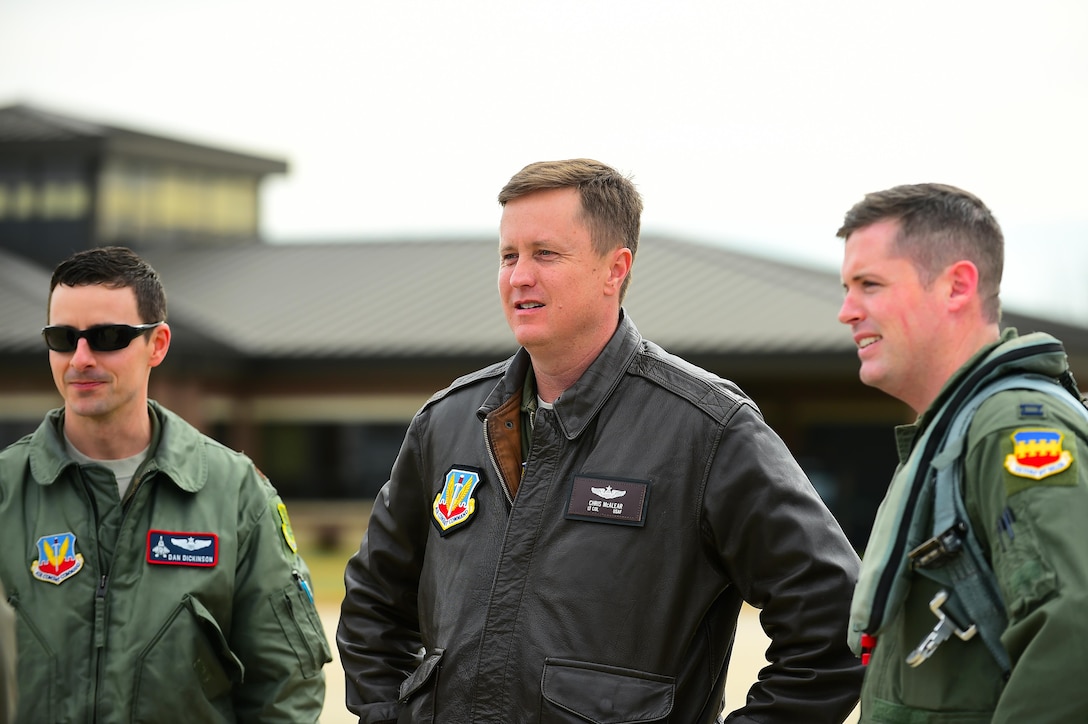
1028 503
184 603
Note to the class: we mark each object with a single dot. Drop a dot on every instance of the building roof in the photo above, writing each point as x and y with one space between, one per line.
24 288
431 298
25 127
426 299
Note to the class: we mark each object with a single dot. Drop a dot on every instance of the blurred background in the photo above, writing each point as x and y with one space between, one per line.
316 185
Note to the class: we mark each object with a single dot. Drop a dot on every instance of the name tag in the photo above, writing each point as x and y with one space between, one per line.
172 548
608 500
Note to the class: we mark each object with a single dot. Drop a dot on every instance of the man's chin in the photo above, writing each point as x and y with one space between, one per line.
870 376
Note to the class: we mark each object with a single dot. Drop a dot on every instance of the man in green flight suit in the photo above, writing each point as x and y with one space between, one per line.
922 272
153 571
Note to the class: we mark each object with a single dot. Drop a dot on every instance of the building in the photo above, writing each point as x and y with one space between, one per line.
313 357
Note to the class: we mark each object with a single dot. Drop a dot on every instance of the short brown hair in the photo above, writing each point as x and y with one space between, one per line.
611 205
938 225
116 267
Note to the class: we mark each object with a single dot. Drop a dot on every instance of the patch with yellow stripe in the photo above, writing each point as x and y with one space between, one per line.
57 558
454 506
285 527
1038 453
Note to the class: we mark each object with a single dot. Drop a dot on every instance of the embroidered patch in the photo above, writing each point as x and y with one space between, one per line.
171 548
286 529
454 504
608 500
1037 454
1031 409
57 558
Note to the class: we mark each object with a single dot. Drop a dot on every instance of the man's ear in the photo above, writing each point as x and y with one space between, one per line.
620 267
160 344
962 279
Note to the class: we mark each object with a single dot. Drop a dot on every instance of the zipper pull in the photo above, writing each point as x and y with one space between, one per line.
101 591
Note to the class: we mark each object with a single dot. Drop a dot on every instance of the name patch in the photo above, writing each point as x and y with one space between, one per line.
173 548
608 500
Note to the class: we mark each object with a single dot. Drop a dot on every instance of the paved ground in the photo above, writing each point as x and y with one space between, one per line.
748 659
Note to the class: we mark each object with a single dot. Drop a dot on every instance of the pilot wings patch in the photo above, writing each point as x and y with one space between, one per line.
174 548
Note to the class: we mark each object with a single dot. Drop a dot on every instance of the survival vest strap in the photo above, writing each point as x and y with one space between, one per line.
953 557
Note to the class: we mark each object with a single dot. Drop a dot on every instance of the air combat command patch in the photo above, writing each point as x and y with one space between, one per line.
57 558
454 504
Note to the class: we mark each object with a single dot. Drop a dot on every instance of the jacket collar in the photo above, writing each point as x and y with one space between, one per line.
580 403
177 450
1049 363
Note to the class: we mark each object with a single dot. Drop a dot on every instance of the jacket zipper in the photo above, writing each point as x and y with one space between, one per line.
495 464
100 628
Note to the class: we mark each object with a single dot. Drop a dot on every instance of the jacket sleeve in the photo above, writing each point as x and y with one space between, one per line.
1032 516
276 632
379 633
788 556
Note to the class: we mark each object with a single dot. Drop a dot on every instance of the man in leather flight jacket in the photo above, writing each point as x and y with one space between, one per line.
568 535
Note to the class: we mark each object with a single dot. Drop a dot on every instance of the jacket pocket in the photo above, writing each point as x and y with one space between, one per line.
302 628
417 693
578 691
1026 577
38 676
190 642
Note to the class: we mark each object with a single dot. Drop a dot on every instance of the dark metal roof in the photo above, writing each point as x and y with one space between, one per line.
374 299
24 289
23 127
436 298
427 299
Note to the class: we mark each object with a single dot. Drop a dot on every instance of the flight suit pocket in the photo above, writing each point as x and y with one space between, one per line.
578 691
189 640
37 683
1026 577
886 712
417 693
302 628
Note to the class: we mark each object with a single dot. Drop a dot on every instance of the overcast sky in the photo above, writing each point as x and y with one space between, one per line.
751 124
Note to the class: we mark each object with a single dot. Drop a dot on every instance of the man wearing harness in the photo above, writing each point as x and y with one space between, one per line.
970 602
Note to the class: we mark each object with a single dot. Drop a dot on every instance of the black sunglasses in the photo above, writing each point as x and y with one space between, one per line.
100 338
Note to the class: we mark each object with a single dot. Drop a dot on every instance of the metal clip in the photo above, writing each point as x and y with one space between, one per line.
936 551
945 627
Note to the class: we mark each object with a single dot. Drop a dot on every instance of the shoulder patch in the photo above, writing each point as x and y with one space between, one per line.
1037 453
285 527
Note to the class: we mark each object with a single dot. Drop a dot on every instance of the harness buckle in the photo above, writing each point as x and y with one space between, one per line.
939 549
943 630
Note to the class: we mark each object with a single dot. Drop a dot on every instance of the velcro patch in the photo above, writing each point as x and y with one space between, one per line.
57 558
285 527
455 504
172 548
608 500
1037 453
